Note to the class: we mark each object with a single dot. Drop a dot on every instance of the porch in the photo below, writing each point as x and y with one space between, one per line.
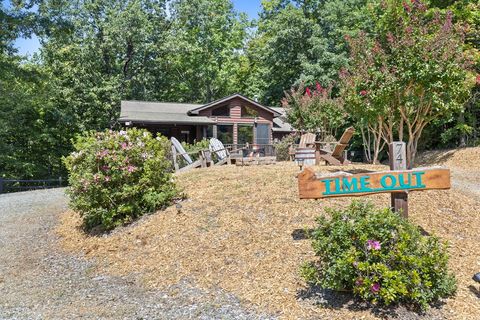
252 136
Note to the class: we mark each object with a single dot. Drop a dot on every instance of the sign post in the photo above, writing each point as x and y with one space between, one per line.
398 161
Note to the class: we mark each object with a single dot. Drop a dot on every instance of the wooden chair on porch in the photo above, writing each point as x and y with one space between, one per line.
336 157
204 159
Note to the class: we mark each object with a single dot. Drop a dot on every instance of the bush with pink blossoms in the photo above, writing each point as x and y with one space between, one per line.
379 256
117 176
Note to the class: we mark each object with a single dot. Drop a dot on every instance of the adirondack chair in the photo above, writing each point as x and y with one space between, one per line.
305 152
223 155
335 157
307 140
178 150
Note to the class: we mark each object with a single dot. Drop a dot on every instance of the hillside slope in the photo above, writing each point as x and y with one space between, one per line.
464 164
240 230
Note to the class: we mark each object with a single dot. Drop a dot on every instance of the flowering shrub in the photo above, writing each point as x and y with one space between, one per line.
314 110
118 176
411 74
379 256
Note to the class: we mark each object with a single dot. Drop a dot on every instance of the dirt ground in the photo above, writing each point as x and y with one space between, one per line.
241 229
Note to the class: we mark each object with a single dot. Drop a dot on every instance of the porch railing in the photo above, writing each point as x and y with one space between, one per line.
246 150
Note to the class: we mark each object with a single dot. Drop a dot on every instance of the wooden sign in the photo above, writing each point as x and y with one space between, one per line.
344 184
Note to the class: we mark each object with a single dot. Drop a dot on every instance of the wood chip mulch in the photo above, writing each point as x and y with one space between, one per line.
241 230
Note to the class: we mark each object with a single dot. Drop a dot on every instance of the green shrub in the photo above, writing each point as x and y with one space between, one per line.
379 256
116 177
282 147
194 149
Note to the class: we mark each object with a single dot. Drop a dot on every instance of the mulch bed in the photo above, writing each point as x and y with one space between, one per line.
241 229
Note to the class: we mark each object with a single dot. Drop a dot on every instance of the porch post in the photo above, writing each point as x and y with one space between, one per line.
235 133
198 132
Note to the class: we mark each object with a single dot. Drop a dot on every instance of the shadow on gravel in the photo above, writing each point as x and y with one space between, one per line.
301 234
331 299
474 290
436 157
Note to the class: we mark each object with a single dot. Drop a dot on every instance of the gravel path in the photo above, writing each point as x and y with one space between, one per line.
38 281
467 181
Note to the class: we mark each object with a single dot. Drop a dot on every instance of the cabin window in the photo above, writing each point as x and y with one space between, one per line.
249 112
225 133
245 134
223 111
263 134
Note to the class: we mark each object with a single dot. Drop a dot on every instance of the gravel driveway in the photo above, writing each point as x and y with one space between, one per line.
38 281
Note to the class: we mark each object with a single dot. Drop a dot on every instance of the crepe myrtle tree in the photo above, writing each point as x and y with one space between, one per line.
412 73
314 110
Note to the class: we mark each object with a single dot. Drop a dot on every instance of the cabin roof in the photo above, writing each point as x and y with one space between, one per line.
230 97
187 113
280 123
160 112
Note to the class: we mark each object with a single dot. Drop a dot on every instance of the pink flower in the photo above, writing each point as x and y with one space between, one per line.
363 92
105 168
102 154
343 73
308 92
390 38
406 7
131 168
359 282
124 145
448 21
373 245
478 80
107 178
375 288
96 177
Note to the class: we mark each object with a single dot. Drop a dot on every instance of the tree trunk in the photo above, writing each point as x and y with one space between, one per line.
366 144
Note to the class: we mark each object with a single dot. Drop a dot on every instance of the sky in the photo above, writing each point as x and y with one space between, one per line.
31 45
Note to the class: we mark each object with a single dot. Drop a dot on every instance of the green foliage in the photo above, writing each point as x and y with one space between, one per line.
275 54
204 50
334 20
301 41
116 177
380 256
282 148
196 146
314 110
193 150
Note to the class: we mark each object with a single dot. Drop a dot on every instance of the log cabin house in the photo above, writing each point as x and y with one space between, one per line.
235 120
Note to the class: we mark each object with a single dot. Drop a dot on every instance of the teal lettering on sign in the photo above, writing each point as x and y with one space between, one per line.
364 184
349 185
388 183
